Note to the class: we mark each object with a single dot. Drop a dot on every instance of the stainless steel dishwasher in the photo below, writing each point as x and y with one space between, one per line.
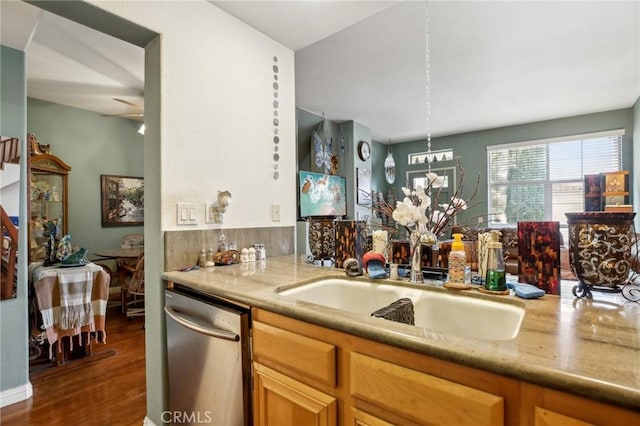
208 359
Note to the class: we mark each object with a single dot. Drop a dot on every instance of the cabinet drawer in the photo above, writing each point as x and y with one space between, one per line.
545 417
362 418
309 357
422 397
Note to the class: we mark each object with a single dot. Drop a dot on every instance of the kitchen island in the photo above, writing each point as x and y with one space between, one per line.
584 348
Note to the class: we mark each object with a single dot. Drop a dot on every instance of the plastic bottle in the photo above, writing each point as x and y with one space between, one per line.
457 261
495 279
222 245
202 259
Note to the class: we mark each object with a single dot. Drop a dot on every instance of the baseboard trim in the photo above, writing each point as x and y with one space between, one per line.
17 394
148 422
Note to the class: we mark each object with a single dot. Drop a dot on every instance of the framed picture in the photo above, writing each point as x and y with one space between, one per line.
616 181
364 187
122 200
322 195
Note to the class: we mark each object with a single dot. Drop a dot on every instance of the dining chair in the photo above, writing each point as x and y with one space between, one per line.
112 281
132 290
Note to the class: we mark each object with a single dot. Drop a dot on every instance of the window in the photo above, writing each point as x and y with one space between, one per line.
430 157
544 179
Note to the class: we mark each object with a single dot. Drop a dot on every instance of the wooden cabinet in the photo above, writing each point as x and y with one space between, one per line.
311 360
48 189
423 398
362 418
280 400
306 374
370 383
548 407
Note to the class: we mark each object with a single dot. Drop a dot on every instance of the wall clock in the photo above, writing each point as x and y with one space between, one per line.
364 150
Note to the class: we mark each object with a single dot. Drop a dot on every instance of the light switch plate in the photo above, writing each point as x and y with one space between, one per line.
187 214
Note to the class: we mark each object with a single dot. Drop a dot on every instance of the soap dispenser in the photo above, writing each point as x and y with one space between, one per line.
457 261
495 279
202 259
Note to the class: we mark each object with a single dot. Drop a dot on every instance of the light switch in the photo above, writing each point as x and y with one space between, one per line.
187 214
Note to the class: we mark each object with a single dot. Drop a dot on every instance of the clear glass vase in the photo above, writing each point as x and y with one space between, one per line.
416 259
417 240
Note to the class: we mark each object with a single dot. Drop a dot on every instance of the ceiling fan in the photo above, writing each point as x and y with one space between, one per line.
138 114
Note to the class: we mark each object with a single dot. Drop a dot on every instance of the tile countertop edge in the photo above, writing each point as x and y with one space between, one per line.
258 291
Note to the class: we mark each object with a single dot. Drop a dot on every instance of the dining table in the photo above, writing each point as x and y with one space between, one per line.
72 301
122 256
120 253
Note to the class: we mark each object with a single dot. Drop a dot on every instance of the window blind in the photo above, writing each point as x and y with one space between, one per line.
543 179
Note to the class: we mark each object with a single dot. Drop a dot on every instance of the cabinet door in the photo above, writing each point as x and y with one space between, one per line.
48 189
362 418
545 407
282 401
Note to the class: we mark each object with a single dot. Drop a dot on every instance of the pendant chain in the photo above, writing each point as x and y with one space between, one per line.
428 84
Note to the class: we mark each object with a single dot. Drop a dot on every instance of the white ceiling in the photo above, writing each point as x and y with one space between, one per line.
492 63
71 64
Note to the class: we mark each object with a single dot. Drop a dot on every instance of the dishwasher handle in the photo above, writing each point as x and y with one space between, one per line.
213 332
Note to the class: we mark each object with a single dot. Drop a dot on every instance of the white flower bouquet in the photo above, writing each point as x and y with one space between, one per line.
421 211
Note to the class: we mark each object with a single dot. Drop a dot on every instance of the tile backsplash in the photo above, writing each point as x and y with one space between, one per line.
183 247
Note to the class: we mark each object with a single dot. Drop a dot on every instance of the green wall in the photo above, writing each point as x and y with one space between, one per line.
14 368
92 145
471 147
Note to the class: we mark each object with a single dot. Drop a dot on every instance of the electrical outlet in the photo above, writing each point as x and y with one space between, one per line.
275 212
210 212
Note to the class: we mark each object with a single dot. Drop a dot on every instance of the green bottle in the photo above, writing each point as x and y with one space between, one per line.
496 277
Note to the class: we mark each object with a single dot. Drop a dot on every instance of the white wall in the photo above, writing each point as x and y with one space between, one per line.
217 113
209 110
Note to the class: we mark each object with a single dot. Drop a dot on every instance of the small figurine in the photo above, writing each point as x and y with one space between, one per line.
244 255
224 199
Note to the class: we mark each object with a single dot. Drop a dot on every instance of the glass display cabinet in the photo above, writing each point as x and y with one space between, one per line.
48 202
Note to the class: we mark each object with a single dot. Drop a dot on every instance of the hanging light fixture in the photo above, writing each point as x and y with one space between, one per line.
389 166
428 84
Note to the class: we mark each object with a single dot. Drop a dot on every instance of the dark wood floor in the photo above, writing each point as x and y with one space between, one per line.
100 391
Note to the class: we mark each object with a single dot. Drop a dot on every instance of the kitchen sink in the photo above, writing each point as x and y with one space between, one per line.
461 314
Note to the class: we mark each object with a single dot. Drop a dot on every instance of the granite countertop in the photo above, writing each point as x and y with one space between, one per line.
586 347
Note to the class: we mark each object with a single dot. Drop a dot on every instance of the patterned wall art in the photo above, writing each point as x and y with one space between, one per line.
276 119
322 238
323 158
350 240
364 187
539 255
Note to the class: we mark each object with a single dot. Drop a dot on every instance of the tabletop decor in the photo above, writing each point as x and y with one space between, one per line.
600 246
426 217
